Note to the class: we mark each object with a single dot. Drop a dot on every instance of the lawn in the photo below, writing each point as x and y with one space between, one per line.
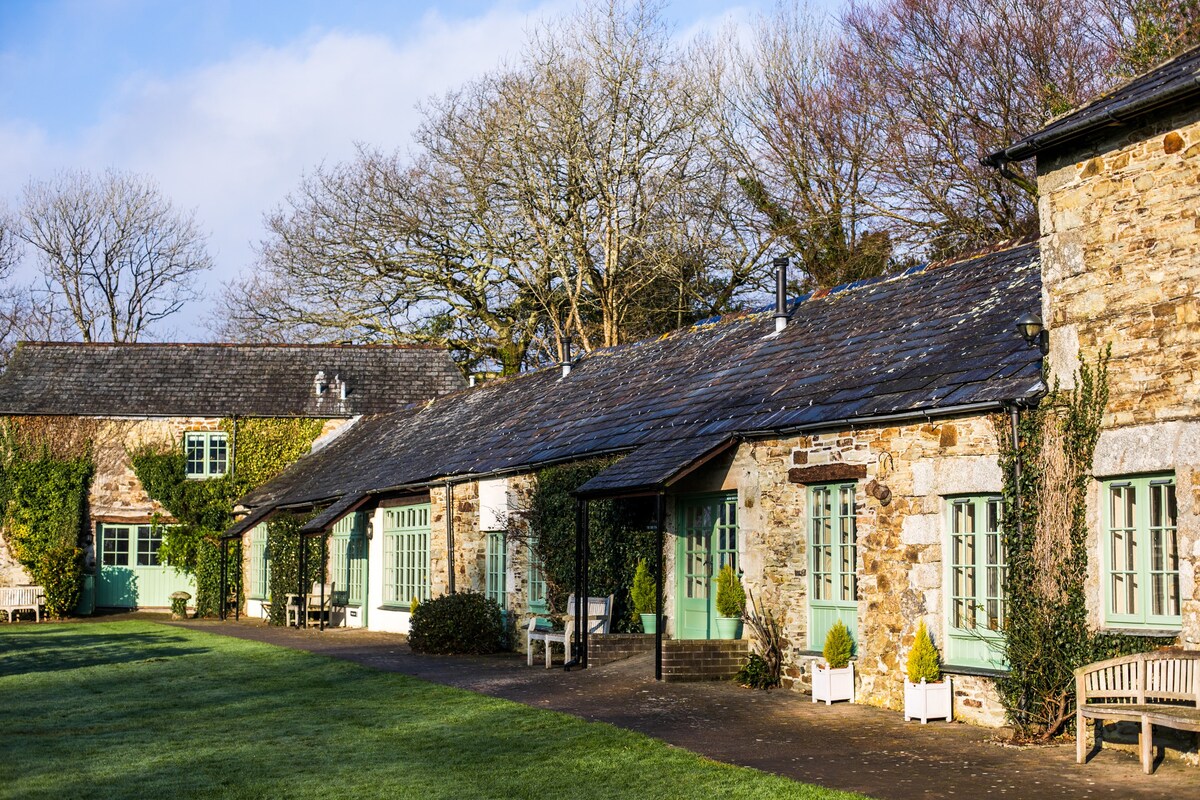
135 709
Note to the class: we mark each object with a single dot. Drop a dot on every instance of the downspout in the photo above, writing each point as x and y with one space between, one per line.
450 535
233 448
1014 420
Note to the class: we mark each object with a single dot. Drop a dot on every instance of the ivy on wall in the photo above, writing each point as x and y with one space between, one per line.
617 538
203 509
1045 535
284 542
44 484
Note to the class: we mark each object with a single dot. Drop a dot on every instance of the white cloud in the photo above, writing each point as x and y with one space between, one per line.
232 139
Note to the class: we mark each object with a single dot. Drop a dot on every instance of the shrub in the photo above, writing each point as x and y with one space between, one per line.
838 646
59 571
731 597
923 659
457 624
756 673
766 631
644 593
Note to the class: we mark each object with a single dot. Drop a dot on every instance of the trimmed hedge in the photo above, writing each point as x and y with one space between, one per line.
466 623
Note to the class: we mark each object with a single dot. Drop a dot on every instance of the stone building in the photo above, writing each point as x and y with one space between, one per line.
846 464
121 396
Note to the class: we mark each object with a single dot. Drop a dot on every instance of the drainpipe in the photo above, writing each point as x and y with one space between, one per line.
233 448
450 534
1014 420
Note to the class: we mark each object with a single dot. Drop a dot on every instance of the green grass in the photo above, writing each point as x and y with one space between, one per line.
142 710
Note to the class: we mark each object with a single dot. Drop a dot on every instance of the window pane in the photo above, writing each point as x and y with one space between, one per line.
116 546
149 540
217 454
194 450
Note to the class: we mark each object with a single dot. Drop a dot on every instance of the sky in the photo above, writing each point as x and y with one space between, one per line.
227 103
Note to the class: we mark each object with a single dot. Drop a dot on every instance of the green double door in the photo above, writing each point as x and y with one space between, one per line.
348 565
129 574
707 540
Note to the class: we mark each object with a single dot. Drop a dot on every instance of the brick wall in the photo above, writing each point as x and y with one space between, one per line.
695 660
606 648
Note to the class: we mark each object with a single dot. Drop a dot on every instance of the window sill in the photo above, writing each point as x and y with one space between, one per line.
979 672
1156 633
395 607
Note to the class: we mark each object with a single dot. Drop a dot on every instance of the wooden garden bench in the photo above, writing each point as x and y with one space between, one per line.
1161 688
598 620
22 598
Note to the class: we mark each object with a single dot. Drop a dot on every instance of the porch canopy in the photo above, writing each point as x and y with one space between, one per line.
650 470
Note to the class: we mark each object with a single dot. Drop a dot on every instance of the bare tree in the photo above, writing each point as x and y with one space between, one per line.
116 257
800 133
1151 31
953 80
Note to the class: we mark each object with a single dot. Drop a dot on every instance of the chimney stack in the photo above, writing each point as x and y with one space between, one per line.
566 363
781 317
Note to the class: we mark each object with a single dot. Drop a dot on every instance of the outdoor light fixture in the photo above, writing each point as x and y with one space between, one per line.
1033 331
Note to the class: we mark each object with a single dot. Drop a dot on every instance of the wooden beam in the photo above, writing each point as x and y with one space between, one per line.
825 473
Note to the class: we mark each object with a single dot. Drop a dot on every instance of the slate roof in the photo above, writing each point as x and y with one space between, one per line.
1161 89
933 340
210 380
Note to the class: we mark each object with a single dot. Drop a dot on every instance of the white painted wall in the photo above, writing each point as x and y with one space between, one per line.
380 619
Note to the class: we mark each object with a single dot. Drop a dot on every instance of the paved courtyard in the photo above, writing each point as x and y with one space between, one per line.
841 746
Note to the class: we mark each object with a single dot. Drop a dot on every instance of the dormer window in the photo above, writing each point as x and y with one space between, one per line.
207 454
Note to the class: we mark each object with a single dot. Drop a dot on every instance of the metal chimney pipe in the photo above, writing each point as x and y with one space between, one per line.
566 363
781 317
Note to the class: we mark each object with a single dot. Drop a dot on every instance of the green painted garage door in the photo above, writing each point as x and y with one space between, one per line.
129 574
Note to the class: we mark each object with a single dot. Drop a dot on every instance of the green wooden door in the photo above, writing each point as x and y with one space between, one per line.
348 553
129 574
706 541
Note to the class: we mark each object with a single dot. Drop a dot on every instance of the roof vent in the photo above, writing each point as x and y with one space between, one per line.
341 384
320 385
781 317
566 362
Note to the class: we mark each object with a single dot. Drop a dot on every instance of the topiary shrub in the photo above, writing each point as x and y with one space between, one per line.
924 662
731 596
466 623
839 646
643 593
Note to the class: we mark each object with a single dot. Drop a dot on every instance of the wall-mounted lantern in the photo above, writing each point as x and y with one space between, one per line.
1033 331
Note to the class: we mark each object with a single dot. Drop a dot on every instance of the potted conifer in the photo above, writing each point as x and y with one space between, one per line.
834 680
731 602
644 593
926 694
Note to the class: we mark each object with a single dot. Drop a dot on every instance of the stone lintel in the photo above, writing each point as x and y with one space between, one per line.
823 473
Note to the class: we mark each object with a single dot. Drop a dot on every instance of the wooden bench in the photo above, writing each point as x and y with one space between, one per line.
598 620
1158 688
22 598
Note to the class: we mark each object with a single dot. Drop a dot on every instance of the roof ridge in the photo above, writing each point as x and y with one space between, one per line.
215 345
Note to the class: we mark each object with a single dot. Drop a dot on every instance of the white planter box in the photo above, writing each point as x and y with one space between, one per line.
926 701
831 685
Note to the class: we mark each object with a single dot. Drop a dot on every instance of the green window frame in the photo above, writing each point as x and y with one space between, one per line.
977 569
1140 553
536 580
496 586
115 545
348 556
405 555
207 454
259 565
832 560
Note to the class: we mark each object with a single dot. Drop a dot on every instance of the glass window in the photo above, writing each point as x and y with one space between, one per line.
257 570
207 453
977 572
1141 553
537 579
115 546
833 560
497 565
405 554
149 540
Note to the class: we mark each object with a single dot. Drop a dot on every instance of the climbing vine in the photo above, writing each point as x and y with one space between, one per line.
44 482
1045 535
284 543
617 538
203 509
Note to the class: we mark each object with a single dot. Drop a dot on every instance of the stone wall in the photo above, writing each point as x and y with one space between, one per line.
1120 220
900 562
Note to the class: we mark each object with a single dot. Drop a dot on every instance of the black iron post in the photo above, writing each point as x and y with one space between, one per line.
237 605
301 595
582 606
224 577
323 577
658 588
576 621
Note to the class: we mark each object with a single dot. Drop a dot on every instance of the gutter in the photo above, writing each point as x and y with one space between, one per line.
1035 143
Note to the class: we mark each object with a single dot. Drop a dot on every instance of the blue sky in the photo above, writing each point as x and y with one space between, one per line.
227 103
